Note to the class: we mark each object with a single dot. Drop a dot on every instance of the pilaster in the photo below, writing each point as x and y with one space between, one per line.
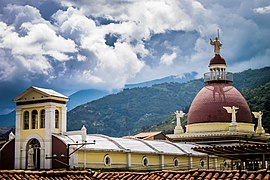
17 157
49 126
63 119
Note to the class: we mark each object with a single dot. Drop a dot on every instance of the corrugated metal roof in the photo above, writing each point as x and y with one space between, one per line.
107 143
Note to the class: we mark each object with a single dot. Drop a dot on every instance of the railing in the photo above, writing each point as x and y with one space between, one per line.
218 76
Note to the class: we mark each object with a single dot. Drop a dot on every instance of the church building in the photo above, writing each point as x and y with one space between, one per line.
42 142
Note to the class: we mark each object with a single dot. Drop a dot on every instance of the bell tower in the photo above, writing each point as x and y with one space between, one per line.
40 112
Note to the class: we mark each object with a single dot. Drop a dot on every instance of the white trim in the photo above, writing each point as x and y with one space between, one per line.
129 159
110 160
162 161
178 162
190 162
147 161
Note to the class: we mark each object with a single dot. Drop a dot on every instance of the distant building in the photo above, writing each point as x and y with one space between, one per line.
158 135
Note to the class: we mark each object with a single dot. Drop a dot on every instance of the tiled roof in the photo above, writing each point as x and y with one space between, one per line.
187 175
154 175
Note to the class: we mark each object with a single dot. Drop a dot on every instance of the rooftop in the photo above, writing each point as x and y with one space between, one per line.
153 175
130 144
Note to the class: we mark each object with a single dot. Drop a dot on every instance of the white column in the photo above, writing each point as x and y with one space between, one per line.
17 157
216 163
49 126
162 161
129 160
190 162
63 118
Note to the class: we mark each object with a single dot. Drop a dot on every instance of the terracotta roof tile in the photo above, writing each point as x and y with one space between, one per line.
153 175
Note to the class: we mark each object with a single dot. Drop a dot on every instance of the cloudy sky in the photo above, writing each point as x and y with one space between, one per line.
70 45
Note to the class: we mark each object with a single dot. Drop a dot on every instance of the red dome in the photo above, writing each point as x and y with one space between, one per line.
217 59
207 106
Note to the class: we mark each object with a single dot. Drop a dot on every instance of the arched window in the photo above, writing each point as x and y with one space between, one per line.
175 162
107 160
26 120
34 119
42 118
56 119
145 161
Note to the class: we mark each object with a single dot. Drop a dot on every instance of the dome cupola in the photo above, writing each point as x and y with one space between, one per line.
207 113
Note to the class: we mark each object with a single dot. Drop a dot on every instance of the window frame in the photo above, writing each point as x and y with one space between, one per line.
56 119
24 120
145 161
34 118
109 162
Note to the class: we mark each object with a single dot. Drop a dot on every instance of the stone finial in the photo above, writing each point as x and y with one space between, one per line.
11 136
259 129
84 133
178 128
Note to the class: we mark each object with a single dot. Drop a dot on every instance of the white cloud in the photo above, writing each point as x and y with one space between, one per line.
167 59
71 47
263 10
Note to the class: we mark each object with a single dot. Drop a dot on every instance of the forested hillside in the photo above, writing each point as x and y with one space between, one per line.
141 109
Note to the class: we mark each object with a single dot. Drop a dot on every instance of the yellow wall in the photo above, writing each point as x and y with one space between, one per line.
214 127
32 96
95 160
27 132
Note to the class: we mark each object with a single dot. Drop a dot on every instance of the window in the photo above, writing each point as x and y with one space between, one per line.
34 119
202 163
145 161
107 160
42 118
176 162
26 120
56 119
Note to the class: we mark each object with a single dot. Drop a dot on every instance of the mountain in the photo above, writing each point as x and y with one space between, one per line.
7 120
179 78
84 96
138 109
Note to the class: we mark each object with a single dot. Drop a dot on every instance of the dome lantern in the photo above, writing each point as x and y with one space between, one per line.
217 66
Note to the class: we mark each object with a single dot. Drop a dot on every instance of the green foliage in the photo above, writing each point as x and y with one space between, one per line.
259 100
151 108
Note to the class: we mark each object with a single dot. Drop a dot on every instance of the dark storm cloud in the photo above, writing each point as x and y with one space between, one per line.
70 45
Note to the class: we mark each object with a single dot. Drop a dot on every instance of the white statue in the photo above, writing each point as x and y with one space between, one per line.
84 133
259 128
30 152
217 44
232 110
178 128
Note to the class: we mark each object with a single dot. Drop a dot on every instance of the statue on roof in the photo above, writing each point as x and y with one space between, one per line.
178 128
258 115
232 110
217 44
